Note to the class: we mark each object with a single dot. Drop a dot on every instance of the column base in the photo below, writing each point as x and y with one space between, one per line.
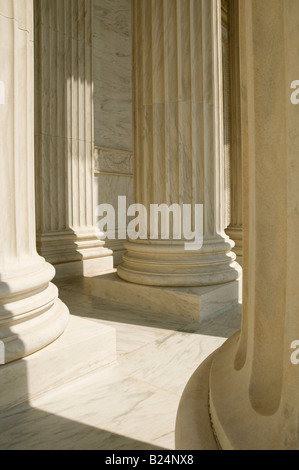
235 233
31 314
169 264
74 255
237 423
193 430
215 410
194 303
22 340
84 347
87 267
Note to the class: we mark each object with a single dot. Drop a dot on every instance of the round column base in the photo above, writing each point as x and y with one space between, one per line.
168 264
237 423
31 314
235 233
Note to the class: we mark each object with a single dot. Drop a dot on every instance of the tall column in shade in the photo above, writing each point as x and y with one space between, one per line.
254 379
64 138
31 315
178 139
235 228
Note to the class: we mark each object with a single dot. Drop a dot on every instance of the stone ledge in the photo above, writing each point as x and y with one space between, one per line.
84 347
194 303
86 267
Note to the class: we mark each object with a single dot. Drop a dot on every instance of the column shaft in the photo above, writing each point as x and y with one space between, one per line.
31 315
254 400
235 228
178 138
64 129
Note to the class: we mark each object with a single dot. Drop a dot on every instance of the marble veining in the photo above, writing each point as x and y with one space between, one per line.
131 404
112 62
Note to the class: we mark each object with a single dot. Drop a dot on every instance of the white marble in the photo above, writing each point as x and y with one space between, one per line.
113 161
83 348
31 314
107 410
85 267
177 352
235 228
112 57
107 188
113 129
64 139
135 327
193 303
253 385
178 144
129 405
193 430
226 112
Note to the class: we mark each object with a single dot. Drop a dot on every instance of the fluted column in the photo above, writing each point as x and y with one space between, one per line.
235 228
31 315
64 139
178 138
254 398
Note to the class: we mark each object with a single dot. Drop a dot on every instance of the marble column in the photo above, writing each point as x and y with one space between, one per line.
254 398
235 228
178 139
31 314
64 128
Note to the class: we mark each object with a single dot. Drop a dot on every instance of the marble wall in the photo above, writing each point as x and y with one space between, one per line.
112 74
112 62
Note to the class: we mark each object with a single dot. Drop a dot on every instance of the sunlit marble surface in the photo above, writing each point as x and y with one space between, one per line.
112 62
129 405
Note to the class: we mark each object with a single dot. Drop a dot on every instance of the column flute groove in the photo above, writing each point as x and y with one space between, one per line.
253 384
65 139
177 139
31 314
235 228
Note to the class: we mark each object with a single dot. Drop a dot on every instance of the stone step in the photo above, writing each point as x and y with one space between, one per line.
194 303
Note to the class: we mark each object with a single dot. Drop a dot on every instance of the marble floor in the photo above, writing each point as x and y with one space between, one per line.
130 404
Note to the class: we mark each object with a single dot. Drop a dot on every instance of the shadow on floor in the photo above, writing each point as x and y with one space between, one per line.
34 429
75 295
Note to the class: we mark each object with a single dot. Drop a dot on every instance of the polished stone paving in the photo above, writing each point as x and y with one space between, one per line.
131 404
